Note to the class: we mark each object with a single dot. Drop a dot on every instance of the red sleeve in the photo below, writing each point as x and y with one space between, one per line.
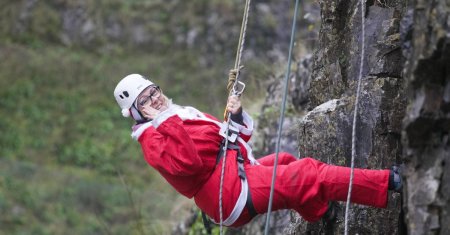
170 148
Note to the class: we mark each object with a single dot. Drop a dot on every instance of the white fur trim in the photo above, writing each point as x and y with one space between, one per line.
166 114
140 129
184 113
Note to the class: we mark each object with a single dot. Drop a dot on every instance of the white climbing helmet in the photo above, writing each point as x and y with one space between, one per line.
128 89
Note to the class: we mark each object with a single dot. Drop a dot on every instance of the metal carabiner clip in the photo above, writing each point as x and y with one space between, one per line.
238 88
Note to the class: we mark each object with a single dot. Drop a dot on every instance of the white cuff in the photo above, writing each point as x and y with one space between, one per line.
140 129
248 122
164 115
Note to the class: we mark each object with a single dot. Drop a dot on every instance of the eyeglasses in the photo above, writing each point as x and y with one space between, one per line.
155 93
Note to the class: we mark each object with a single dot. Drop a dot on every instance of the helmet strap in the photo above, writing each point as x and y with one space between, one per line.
137 115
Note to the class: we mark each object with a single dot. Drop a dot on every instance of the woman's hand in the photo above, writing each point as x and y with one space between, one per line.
234 104
149 112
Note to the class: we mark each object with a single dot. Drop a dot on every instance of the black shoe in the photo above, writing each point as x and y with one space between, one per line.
330 218
395 178
332 212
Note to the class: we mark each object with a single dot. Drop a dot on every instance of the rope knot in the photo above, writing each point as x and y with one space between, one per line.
231 79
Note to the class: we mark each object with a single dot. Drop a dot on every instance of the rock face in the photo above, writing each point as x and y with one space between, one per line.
325 132
427 122
403 116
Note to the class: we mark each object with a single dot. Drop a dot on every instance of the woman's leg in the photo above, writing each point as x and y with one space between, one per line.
307 185
283 159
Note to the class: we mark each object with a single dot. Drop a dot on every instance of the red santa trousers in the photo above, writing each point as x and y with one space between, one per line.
307 185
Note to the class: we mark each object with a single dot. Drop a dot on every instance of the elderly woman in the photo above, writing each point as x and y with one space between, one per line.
183 145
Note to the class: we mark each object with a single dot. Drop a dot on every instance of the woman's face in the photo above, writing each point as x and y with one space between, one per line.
152 96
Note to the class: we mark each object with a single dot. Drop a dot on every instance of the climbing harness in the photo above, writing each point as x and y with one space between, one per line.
241 172
233 90
355 115
281 120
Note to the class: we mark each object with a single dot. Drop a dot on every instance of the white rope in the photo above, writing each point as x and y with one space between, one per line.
237 63
355 115
280 124
237 66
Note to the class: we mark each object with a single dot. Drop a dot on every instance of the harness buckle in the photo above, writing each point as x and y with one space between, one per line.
232 132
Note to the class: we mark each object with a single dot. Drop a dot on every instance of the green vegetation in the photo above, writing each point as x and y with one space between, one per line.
67 162
64 146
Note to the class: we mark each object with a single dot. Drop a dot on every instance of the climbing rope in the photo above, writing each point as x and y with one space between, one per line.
232 83
355 115
281 120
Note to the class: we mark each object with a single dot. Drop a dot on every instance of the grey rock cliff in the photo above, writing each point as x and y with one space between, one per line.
325 132
426 126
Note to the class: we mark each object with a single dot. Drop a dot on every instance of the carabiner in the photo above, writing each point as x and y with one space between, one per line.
238 88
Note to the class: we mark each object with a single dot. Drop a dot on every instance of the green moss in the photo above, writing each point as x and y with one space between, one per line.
63 137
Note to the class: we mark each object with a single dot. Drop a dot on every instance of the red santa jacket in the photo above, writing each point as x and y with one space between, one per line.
182 144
